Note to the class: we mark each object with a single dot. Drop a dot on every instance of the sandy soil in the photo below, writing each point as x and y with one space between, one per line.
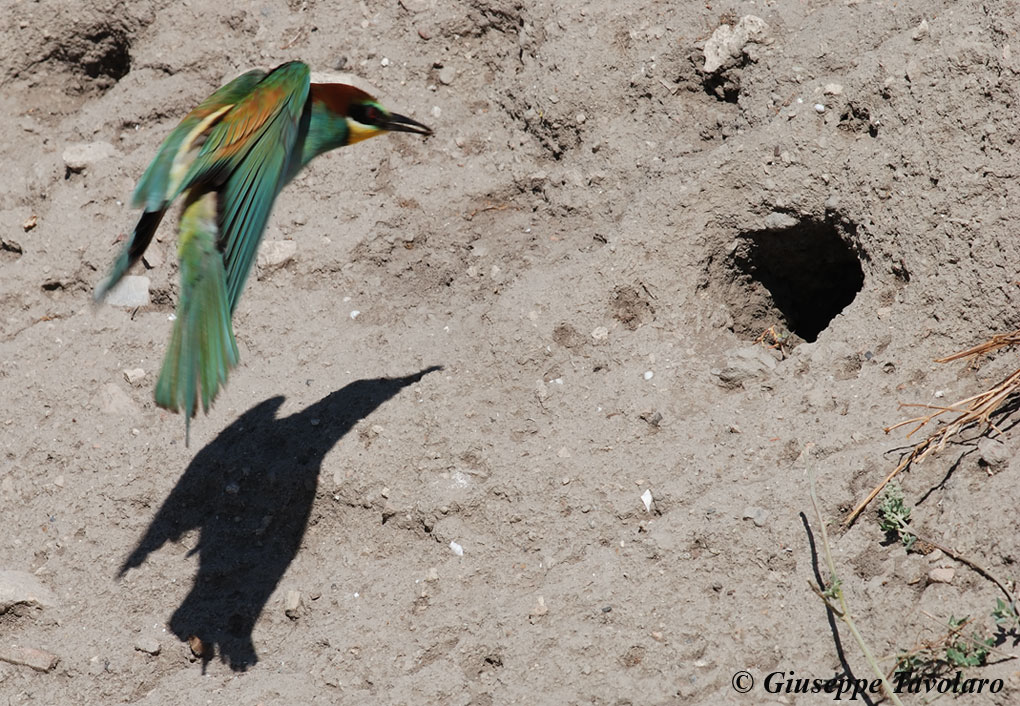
588 247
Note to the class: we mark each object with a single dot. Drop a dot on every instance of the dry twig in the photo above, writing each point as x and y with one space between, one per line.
977 409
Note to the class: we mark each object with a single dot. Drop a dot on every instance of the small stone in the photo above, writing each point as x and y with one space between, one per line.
447 74
580 118
384 62
432 574
134 376
114 401
744 365
456 549
599 333
424 34
658 636
757 515
436 111
993 454
819 108
153 256
921 31
779 221
646 498
649 375
39 660
833 89
728 42
538 611
148 645
29 223
292 604
275 254
23 588
79 156
941 574
651 416
197 647
131 292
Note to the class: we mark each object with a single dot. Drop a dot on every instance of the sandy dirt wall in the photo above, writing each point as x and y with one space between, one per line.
558 297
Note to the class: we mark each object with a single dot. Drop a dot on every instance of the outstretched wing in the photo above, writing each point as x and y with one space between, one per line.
162 179
245 158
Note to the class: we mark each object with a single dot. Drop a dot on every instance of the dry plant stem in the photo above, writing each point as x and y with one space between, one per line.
844 610
849 520
963 560
957 632
972 410
1001 340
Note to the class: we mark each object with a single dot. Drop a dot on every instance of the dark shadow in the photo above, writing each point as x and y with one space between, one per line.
249 492
833 628
954 466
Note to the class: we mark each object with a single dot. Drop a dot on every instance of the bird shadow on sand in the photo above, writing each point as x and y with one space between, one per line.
249 493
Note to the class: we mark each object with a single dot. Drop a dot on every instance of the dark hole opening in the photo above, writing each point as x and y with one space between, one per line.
809 270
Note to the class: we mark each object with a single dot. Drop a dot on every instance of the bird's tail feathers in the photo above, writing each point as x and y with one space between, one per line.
140 239
202 347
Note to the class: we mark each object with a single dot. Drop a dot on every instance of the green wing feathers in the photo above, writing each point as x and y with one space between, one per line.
162 180
157 186
132 252
254 146
202 347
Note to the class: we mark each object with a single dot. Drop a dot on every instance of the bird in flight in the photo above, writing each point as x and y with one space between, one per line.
229 158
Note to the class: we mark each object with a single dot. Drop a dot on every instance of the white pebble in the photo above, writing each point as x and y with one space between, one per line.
646 498
385 61
456 549
355 313
436 111
819 108
649 374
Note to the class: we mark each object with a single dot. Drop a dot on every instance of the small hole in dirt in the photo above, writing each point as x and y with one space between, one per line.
799 276
101 52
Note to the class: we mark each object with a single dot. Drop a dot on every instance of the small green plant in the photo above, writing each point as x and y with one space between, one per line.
949 651
963 652
1005 615
894 516
832 591
910 663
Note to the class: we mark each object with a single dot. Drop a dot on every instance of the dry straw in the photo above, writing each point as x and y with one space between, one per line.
977 409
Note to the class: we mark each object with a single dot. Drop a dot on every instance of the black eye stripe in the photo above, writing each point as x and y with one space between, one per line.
366 114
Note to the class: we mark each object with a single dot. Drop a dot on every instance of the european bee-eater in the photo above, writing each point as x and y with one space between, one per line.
230 157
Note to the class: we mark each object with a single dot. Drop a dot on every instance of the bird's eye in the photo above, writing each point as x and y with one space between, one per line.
367 114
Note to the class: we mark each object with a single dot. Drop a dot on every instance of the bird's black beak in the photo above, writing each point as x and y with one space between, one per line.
400 123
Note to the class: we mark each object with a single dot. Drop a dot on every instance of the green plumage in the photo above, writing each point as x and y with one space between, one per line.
202 346
230 157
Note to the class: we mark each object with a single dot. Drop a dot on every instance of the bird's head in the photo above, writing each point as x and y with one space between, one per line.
366 117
